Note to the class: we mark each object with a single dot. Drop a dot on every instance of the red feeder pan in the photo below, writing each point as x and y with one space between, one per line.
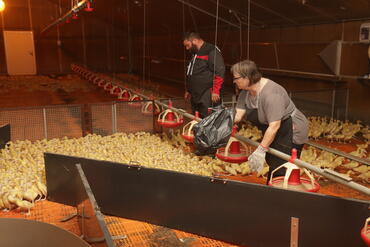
135 97
96 80
86 74
292 179
101 83
116 90
91 77
233 152
187 131
124 95
67 21
108 86
75 16
88 7
169 118
147 108
365 232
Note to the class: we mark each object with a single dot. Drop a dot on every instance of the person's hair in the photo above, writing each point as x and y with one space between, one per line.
191 36
247 68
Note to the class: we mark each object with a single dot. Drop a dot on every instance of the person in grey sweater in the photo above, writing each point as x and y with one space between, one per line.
270 108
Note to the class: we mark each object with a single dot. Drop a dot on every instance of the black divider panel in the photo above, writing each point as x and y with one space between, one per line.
4 135
69 186
236 212
62 180
91 220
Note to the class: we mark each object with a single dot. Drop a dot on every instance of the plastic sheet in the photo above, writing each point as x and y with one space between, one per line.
213 131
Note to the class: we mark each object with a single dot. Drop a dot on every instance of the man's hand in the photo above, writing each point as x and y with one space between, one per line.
215 98
187 96
257 159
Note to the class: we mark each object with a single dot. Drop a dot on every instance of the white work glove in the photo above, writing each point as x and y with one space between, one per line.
257 159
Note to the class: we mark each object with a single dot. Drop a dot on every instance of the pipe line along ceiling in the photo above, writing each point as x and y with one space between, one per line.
264 13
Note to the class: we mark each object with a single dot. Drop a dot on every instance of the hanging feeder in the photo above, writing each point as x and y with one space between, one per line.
187 131
124 95
133 98
116 90
292 179
75 16
96 80
234 152
88 7
108 86
86 74
101 83
91 77
365 232
147 108
67 21
169 118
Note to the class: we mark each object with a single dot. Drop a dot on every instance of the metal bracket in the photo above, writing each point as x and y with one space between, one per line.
71 216
294 231
218 180
339 175
101 239
134 165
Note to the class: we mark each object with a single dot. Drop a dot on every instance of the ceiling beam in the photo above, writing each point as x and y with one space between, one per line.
238 13
208 13
69 13
274 12
317 10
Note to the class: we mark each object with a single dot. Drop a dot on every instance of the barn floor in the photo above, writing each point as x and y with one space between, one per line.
41 90
25 91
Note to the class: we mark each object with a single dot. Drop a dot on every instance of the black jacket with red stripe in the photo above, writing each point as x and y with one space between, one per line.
205 71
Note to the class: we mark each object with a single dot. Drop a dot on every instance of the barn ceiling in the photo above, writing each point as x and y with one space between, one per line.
170 15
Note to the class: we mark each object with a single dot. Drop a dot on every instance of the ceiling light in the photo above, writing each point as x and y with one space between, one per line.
2 5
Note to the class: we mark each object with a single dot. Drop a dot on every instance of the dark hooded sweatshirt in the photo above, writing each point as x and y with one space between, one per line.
205 71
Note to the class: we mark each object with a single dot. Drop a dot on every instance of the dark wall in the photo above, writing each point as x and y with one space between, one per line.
291 48
111 39
103 48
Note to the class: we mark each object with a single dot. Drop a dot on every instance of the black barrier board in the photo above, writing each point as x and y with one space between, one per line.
4 135
69 186
236 212
89 216
62 179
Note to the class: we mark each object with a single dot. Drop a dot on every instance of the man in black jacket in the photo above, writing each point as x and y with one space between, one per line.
205 74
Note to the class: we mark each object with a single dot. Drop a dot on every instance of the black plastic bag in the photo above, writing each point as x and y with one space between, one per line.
213 131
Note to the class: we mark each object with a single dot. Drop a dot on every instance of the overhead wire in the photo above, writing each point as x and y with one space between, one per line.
193 19
129 37
215 51
144 38
184 52
249 26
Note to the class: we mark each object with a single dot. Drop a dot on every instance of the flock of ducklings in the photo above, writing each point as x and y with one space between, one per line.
337 130
22 170
22 173
324 159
